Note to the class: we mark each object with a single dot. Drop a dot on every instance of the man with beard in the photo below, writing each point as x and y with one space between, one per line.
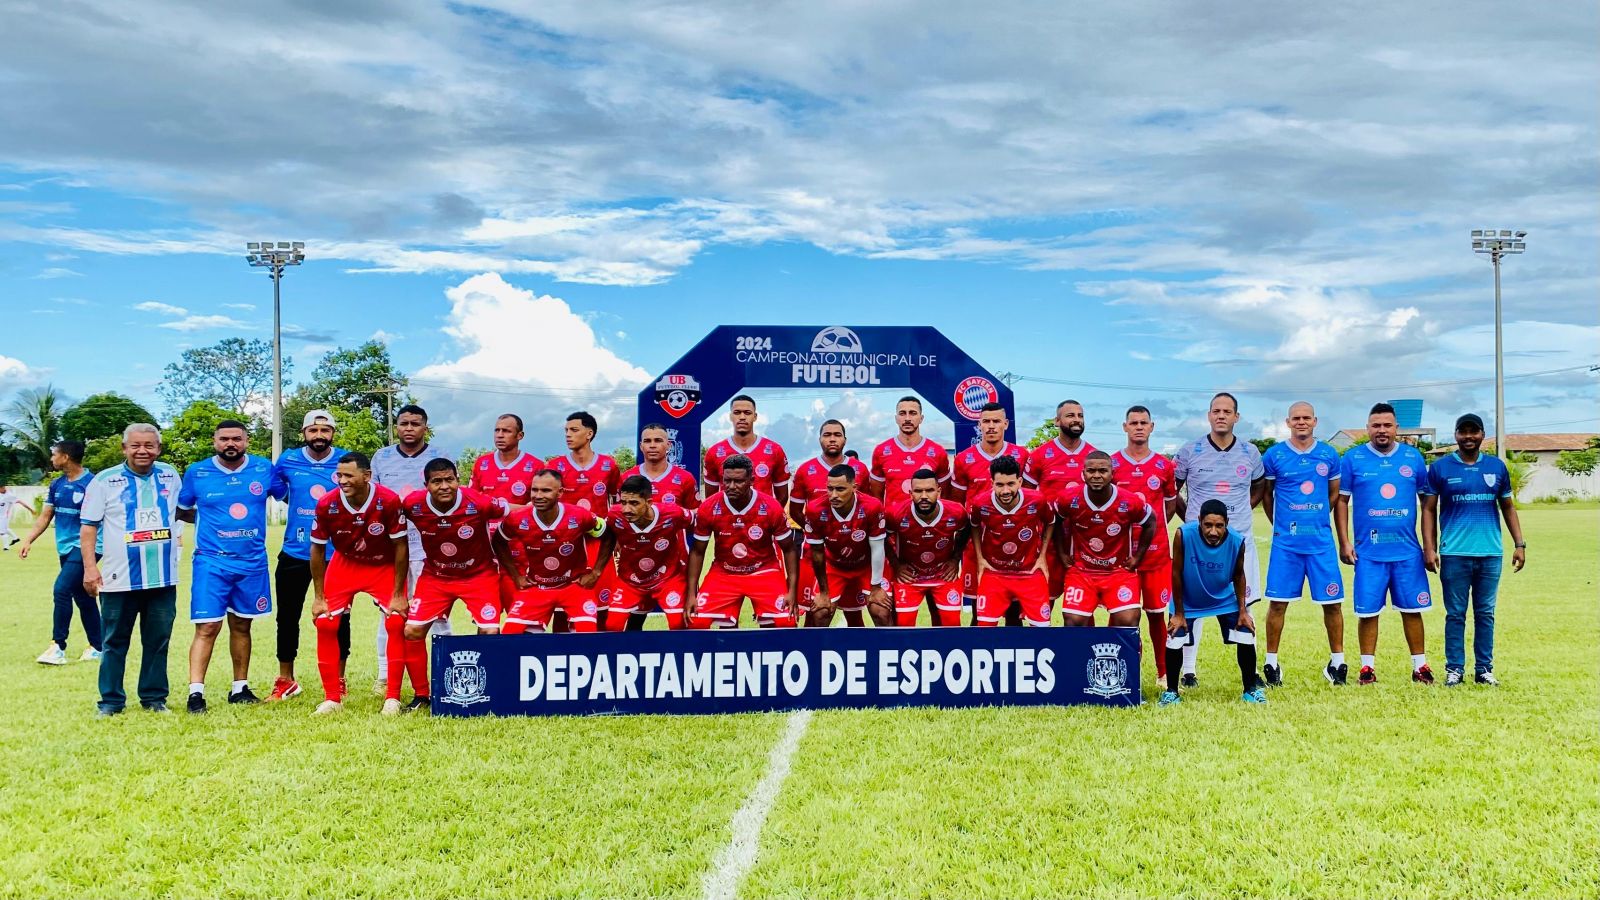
1012 527
1140 470
1051 468
1103 557
552 568
301 478
810 483
754 554
969 476
845 531
651 546
895 460
928 538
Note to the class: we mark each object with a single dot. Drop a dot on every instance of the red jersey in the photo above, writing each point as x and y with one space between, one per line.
509 483
844 537
553 555
1051 467
675 487
811 480
770 462
893 464
590 487
1101 536
648 556
746 539
366 535
969 474
1011 541
924 548
1155 479
456 541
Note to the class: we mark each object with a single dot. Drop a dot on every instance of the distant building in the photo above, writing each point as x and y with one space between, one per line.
1545 480
1349 437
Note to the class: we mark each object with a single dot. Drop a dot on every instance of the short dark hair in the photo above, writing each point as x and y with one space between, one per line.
852 454
231 423
738 461
412 409
1136 408
910 399
553 473
361 460
832 422
437 464
991 406
924 472
843 470
583 418
1068 402
745 397
1005 465
1231 398
72 450
513 417
1214 507
1379 409
1093 454
637 485
653 426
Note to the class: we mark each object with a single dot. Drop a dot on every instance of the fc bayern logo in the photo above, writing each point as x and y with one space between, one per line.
1113 529
519 488
662 544
972 393
1332 590
1124 593
1405 471
465 532
1322 469
375 528
257 489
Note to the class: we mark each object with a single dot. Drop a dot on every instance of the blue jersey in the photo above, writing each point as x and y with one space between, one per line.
1469 504
1299 484
1208 573
230 512
66 498
1383 492
301 481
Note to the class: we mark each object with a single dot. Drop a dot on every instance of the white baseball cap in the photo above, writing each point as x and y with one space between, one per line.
318 417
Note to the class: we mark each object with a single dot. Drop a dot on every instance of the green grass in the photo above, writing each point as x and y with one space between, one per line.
1391 791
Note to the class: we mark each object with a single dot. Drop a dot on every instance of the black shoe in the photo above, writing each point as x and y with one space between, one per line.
420 704
106 712
1337 675
1487 678
1189 679
155 707
243 695
197 702
1274 675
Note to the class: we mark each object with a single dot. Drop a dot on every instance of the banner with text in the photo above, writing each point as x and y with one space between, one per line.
753 670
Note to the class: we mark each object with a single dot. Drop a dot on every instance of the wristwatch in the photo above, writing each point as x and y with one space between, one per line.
1521 546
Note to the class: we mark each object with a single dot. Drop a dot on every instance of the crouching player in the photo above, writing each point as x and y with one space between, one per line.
651 541
751 533
1208 582
366 527
551 538
1012 527
845 531
927 543
1102 558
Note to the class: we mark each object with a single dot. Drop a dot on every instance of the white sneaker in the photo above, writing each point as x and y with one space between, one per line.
327 707
391 707
54 656
89 655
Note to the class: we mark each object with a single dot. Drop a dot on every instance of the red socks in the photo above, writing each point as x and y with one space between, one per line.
513 628
417 665
1158 642
328 656
616 621
395 652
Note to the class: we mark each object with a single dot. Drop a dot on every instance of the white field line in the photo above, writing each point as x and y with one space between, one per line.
738 856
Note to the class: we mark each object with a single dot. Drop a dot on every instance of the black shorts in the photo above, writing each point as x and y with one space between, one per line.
1228 622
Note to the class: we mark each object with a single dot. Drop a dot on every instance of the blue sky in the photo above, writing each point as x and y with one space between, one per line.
540 206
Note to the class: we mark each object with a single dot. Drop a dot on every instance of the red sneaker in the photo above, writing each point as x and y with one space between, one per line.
1422 675
283 689
1367 676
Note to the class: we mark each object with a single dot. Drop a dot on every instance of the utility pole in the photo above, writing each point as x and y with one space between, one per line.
388 389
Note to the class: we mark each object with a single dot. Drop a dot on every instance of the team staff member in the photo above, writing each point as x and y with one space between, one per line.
1012 527
226 499
651 544
1143 471
928 538
301 478
754 554
131 510
398 467
845 531
1208 581
61 506
8 505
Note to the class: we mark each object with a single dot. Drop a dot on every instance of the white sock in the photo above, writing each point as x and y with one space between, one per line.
383 651
1336 659
197 687
439 627
1418 660
1191 652
1368 661
1272 659
238 686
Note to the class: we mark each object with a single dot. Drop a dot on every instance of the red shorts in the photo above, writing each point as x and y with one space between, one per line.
969 570
808 584
946 596
534 605
721 592
1155 586
435 595
345 579
849 590
1116 590
997 591
667 596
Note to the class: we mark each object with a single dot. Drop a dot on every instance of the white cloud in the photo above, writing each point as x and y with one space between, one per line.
58 272
202 323
248 307
14 373
164 308
385 337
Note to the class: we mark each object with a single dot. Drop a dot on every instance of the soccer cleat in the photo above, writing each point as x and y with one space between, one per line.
1274 676
327 707
1422 675
1189 679
1337 675
197 702
283 689
52 656
243 695
1487 678
89 654
1367 676
1257 694
392 707
1169 698
157 708
1453 677
420 704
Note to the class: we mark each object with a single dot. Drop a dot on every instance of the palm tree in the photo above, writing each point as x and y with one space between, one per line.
33 423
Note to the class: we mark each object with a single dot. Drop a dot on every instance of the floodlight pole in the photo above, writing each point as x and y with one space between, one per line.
274 257
1496 244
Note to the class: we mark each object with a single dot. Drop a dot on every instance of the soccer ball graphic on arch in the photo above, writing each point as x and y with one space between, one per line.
836 339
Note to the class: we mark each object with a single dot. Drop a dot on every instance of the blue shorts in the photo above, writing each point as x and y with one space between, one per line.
1288 572
1405 580
217 591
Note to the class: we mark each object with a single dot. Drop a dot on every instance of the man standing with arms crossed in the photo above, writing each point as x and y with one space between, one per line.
1473 493
1221 466
62 505
1140 470
1303 489
398 467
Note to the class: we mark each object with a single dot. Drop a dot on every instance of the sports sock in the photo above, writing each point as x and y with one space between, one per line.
616 621
586 627
674 621
1174 657
383 648
1272 659
328 655
1158 640
1418 660
394 626
417 666
1336 659
239 686
1247 665
1368 661
1191 652
197 687
949 617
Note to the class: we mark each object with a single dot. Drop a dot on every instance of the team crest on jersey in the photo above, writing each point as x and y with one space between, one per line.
927 556
465 532
448 549
566 550
646 564
465 682
756 532
1008 548
662 544
1113 529
1405 471
1153 483
375 528
1322 469
762 471
518 488
257 488
1241 470
552 563
677 395
972 394
1025 534
1489 479
1096 544
1107 672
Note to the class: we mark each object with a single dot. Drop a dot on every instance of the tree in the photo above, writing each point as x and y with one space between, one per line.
188 439
339 384
1045 433
233 373
1262 443
102 415
468 459
1580 463
33 423
624 457
1354 444
1519 468
102 453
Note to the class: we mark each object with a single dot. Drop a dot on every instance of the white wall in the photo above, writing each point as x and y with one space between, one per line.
1547 481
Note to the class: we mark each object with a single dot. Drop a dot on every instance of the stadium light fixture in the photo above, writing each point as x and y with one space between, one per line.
1497 243
275 256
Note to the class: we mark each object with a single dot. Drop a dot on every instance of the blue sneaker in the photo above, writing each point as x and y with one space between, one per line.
1169 698
1257 694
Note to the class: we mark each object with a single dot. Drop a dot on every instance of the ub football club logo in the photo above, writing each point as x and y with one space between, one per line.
971 395
677 395
836 339
1107 672
465 682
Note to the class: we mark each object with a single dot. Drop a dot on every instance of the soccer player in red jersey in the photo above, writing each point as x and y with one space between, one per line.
589 480
1100 521
460 564
810 482
969 475
670 485
755 554
894 461
367 528
1140 470
1011 526
507 474
1056 464
771 464
927 540
555 572
651 542
845 531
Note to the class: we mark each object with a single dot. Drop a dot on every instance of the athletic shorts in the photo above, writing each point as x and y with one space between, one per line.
345 579
535 605
807 592
1405 581
667 596
849 590
947 595
217 592
969 570
721 595
1288 572
1083 591
435 596
1155 586
1228 622
998 590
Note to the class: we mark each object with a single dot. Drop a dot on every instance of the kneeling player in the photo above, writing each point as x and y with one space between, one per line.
751 532
1099 521
845 531
1208 582
651 541
551 537
1012 526
364 523
927 543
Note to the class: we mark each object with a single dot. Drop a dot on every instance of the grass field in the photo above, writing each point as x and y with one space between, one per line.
1390 791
